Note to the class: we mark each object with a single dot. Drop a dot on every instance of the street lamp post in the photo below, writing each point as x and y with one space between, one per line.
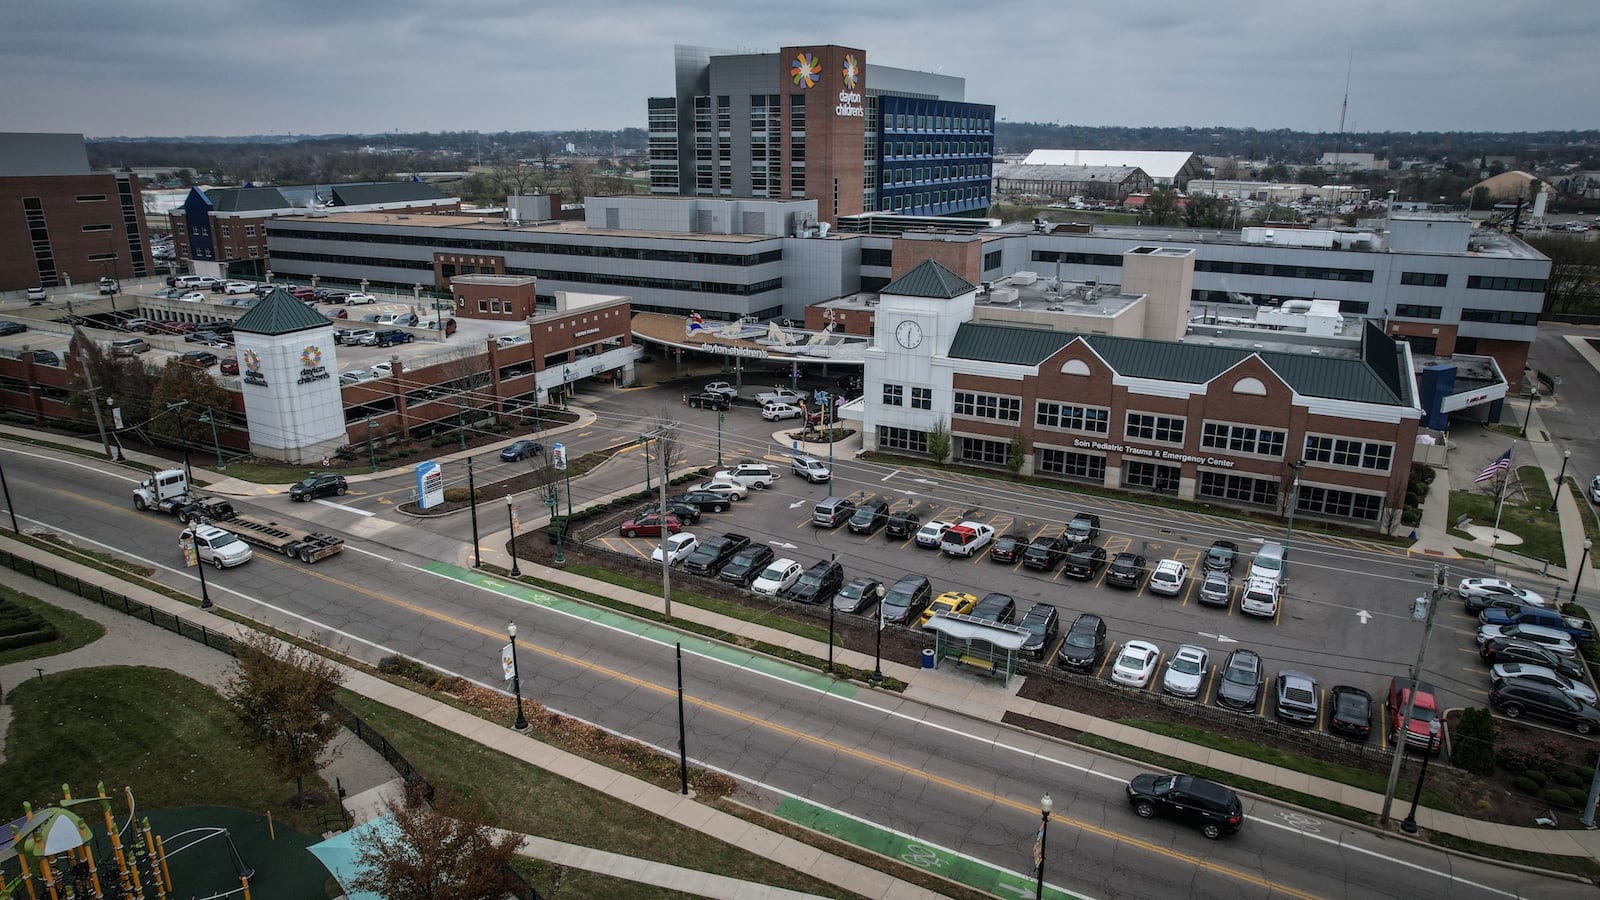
1566 456
205 592
461 422
472 503
1045 806
209 418
553 500
1422 608
511 516
6 490
719 437
1409 825
644 441
877 650
566 379
1533 397
372 451
1294 500
516 677
1583 560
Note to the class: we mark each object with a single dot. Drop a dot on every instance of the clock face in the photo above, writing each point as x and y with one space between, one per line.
908 333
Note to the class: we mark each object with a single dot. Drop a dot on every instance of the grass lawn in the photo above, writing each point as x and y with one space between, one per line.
174 740
580 883
75 630
530 800
1528 517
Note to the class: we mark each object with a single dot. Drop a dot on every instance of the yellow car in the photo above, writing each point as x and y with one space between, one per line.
951 602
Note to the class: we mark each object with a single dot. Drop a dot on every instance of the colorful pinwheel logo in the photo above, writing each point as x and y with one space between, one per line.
805 70
252 361
311 356
852 71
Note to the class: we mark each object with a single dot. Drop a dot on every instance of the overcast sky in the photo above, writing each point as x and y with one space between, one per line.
186 67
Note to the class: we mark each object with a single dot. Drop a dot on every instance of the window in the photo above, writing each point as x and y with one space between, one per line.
921 398
1092 419
1110 260
1500 316
96 227
1349 453
1144 426
249 231
1086 466
988 406
1317 273
893 395
1415 311
1424 279
1151 476
902 439
226 229
1238 488
91 198
1243 439
1427 346
871 256
494 306
483 306
1496 283
255 251
983 452
1322 501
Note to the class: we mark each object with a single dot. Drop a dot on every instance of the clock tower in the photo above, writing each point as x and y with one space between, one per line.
907 370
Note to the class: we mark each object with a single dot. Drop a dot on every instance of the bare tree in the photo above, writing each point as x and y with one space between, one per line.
429 855
579 177
514 177
277 691
670 450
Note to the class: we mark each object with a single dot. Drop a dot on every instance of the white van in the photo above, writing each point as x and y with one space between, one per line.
1269 562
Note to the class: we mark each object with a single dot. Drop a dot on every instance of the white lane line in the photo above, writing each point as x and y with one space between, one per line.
890 475
350 509
1383 856
349 546
67 462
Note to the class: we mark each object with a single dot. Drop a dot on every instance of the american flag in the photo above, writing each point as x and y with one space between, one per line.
1496 468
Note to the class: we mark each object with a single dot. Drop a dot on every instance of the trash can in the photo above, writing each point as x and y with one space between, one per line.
927 658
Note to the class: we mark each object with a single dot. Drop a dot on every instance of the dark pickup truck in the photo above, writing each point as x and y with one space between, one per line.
714 553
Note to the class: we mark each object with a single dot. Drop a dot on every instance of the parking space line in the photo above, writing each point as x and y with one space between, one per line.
1111 653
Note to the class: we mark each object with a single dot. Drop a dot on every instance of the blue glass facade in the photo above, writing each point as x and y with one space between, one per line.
935 157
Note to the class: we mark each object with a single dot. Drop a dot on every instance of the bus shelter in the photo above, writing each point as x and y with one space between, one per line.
975 643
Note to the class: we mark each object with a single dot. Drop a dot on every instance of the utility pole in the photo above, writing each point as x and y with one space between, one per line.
1440 576
94 398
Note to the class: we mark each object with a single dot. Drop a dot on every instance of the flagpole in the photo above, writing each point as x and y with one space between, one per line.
1499 504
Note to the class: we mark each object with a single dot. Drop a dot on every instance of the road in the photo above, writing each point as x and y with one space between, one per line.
797 740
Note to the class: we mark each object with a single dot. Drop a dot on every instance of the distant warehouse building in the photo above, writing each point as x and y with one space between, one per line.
1109 183
1167 168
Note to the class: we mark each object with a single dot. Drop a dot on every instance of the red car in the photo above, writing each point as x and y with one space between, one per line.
303 293
649 525
229 365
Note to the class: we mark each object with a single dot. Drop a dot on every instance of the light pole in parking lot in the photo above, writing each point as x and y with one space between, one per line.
1566 456
719 437
511 517
372 451
1422 608
1533 397
516 676
566 379
1294 500
1582 561
1045 805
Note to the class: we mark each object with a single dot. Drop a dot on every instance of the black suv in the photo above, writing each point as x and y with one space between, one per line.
1083 527
746 564
1084 644
1042 623
687 513
869 517
708 501
1084 561
1221 556
1127 570
1008 548
1045 553
819 583
902 526
713 553
1239 684
1543 701
1209 806
996 607
709 400
322 484
906 599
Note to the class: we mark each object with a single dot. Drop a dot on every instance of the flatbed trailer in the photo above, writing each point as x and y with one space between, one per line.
168 492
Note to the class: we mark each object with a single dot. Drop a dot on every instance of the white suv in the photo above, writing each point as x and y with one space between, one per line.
222 549
752 475
811 469
1259 597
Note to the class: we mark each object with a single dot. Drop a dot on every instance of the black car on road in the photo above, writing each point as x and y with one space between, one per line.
521 450
1196 802
320 484
743 567
1045 553
1127 570
714 552
1084 644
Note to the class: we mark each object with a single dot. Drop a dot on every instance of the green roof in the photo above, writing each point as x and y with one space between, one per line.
1312 376
279 313
928 279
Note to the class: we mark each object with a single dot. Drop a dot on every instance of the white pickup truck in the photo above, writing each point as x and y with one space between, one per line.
781 395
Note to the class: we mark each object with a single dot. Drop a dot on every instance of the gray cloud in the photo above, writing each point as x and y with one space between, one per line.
295 66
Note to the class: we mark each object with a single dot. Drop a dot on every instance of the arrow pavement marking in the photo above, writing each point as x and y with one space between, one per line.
906 492
926 481
1363 615
782 545
890 475
798 503
1219 638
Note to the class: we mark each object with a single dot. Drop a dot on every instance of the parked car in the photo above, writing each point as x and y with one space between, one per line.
931 533
773 412
1516 671
360 337
966 539
1084 561
109 285
1241 681
1517 698
777 577
1299 700
650 525
319 484
357 298
743 567
1216 589
1508 650
1186 671
708 400
832 512
758 476
1127 570
1045 553
869 517
721 387
1084 527
1170 578
523 449
1084 644
905 600
996 607
203 359
1259 597
1419 730
1581 630
818 583
1558 642
1221 556
959 602
1478 594
1203 804
810 468
1042 622
676 548
1350 712
1008 547
713 553
708 501
355 376
902 525
391 336
7 326
1136 664
859 594
36 295
228 365
1269 561
222 549
238 287
686 512
733 489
